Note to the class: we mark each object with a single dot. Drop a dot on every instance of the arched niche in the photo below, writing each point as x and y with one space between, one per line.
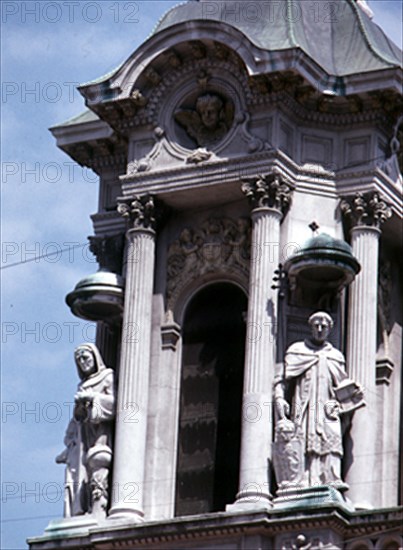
213 349
389 542
363 544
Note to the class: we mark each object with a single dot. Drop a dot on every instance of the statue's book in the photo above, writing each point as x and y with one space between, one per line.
349 395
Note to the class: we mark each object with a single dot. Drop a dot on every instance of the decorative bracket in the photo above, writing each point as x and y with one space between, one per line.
170 334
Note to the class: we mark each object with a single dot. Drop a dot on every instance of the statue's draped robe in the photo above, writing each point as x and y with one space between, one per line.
94 426
316 372
75 470
94 430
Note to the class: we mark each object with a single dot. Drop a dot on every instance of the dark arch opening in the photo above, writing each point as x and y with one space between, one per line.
211 400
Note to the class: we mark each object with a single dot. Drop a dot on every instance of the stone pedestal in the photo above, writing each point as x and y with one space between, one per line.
294 498
132 402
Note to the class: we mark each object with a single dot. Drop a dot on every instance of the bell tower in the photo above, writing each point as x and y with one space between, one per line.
248 183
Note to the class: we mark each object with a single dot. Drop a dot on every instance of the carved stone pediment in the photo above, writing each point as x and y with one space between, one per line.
220 246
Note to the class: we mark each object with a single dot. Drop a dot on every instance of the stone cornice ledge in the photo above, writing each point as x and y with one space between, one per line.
105 223
350 183
224 524
71 134
224 175
221 524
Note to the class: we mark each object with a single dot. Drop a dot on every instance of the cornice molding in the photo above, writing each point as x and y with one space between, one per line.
255 59
220 525
225 176
289 90
132 96
370 181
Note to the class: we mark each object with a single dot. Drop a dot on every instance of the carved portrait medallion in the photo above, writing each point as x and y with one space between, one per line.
208 120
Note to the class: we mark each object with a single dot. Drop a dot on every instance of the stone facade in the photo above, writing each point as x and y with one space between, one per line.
214 157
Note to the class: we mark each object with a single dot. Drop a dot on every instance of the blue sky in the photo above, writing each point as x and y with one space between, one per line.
46 203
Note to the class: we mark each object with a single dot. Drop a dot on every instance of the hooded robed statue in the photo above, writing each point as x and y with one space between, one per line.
88 438
312 393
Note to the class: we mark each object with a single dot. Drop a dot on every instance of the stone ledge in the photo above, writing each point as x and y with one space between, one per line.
201 529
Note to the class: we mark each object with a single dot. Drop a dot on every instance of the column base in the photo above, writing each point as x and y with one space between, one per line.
125 515
308 497
250 501
363 506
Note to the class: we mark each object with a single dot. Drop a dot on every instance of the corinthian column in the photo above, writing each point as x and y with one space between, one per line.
131 414
367 213
270 197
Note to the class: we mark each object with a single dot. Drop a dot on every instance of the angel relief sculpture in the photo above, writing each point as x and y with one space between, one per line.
209 121
215 246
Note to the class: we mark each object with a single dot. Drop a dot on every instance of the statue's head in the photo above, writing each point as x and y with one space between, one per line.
321 324
209 107
186 235
88 360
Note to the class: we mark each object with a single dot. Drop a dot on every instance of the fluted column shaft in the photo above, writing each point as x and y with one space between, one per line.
259 358
361 361
270 196
367 212
132 401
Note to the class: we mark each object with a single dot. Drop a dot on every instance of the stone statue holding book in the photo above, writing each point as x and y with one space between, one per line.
312 394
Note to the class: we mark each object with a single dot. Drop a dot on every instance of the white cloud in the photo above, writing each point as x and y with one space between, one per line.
68 44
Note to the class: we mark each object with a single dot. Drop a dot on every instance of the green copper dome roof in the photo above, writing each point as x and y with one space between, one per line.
325 241
325 247
338 36
97 297
324 260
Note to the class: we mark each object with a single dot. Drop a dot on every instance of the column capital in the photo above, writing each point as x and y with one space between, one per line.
140 211
368 210
269 191
108 250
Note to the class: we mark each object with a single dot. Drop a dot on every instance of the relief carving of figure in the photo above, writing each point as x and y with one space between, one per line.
88 439
184 253
190 244
312 395
217 245
209 122
239 240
